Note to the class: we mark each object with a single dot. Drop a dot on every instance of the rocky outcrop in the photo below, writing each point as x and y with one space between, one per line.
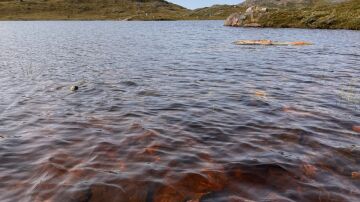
288 3
249 18
276 3
337 14
235 19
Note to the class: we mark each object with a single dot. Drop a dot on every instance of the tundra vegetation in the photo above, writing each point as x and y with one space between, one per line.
333 14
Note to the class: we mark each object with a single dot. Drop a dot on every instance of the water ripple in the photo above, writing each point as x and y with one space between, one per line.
177 113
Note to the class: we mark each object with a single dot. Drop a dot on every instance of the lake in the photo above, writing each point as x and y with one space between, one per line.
174 111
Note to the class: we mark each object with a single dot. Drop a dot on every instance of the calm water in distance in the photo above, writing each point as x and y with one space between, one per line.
173 111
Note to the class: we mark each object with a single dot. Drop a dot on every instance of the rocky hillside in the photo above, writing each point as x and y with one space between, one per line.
326 15
289 3
90 10
276 3
216 12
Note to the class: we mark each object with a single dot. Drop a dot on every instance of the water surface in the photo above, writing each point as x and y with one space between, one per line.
173 111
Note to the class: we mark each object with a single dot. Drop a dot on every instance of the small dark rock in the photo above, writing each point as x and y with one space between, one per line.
74 88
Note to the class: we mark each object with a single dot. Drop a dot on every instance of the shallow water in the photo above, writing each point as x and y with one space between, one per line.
173 111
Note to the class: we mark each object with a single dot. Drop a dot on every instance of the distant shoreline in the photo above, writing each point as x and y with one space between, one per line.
344 15
198 20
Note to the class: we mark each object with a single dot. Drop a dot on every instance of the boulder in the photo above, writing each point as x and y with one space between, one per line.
252 9
235 19
249 18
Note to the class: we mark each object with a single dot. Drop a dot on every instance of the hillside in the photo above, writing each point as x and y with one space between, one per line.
345 15
90 10
334 14
289 3
277 3
216 12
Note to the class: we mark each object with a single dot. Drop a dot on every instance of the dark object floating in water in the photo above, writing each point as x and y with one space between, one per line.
129 83
74 88
269 42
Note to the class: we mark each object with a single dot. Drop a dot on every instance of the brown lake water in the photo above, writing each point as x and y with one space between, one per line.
174 112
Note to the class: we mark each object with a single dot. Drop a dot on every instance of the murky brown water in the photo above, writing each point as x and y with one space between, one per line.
173 112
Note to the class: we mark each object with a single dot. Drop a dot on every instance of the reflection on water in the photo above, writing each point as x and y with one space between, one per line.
173 111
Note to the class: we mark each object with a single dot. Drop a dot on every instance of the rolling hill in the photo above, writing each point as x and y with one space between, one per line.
90 10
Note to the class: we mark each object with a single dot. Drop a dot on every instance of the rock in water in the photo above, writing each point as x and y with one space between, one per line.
74 88
269 42
300 43
356 128
254 42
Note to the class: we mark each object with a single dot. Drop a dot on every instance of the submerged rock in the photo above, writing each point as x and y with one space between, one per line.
355 175
356 128
269 42
309 170
254 42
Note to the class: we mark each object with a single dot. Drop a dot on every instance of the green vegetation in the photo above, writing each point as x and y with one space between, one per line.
216 12
316 14
322 14
90 10
344 15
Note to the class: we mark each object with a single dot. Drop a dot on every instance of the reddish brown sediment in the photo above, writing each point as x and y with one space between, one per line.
78 174
168 194
355 175
206 157
64 174
151 150
193 186
309 170
136 126
122 166
356 129
107 192
100 123
297 112
113 176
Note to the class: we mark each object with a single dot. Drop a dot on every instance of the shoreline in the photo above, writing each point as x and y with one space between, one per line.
171 20
345 15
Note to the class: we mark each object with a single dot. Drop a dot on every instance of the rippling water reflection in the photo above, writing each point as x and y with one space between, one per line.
173 111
